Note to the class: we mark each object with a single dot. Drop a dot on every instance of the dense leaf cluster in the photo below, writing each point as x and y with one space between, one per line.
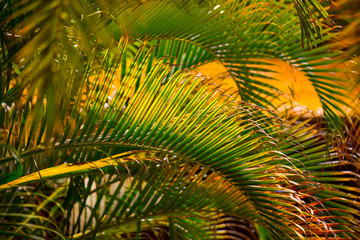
107 131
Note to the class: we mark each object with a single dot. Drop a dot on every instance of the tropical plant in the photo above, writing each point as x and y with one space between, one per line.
108 132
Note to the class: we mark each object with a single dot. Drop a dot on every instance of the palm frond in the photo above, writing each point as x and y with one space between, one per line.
228 32
228 159
239 34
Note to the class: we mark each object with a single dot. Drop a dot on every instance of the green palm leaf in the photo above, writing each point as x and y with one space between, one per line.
230 159
239 34
227 32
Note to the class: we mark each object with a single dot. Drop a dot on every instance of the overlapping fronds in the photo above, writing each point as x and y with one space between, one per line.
104 139
196 163
230 32
339 190
238 33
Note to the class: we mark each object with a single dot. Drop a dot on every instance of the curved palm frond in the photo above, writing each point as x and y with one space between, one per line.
229 159
228 31
239 34
339 194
